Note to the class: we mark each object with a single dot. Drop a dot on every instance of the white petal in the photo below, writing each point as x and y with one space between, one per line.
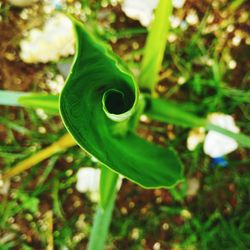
224 121
140 10
88 180
216 144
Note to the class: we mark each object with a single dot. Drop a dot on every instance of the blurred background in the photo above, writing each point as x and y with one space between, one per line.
206 68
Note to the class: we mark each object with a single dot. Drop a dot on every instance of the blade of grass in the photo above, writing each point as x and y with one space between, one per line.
155 46
242 139
50 103
63 143
172 113
235 5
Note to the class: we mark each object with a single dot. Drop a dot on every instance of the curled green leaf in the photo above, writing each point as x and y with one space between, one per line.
98 105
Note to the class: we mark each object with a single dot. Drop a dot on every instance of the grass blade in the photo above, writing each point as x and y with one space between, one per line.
63 143
155 46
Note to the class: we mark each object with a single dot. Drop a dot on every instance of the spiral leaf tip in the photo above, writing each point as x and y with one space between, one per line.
97 103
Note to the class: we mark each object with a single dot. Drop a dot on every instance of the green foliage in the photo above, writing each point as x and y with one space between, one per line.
207 89
97 106
215 233
27 202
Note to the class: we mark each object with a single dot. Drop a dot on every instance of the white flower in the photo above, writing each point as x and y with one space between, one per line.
22 3
141 10
216 144
88 182
195 137
55 40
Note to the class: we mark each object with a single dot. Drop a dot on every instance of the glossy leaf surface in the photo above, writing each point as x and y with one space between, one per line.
97 105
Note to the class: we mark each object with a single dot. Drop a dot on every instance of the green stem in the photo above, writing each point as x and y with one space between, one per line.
101 225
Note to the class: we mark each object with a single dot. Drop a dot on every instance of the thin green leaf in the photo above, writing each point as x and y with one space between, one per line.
47 102
242 139
166 111
155 46
10 98
172 113
100 99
